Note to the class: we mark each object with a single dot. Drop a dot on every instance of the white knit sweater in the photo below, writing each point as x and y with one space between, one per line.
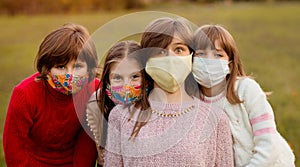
256 140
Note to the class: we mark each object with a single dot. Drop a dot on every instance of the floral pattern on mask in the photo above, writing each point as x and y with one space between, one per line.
123 94
67 83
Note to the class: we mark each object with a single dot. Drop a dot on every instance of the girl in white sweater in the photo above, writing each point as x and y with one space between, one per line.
222 81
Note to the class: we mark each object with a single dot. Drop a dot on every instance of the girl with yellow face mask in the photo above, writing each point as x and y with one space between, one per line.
173 128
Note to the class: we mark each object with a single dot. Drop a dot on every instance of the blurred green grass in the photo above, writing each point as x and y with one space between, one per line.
266 34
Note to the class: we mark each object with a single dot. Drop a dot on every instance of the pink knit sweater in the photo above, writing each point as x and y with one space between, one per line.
199 137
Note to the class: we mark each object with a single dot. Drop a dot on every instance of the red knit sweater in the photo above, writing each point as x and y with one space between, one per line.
42 127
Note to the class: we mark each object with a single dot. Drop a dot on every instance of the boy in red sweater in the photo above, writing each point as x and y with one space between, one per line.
43 122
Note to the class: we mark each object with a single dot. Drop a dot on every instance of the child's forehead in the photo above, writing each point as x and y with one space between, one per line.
79 61
177 40
207 43
72 61
125 65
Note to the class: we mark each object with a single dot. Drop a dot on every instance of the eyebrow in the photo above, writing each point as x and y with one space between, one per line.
111 74
179 43
139 71
220 50
79 61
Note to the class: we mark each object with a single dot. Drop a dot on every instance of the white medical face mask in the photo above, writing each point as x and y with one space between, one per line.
210 72
169 72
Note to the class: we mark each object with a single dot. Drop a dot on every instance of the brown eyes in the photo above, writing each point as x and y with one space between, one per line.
179 51
119 78
76 66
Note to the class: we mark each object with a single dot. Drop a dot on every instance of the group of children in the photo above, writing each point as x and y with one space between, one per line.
176 98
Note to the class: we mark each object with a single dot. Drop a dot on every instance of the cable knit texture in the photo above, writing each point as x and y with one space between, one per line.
256 140
42 128
200 137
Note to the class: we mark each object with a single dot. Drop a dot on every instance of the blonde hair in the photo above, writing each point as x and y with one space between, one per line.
204 37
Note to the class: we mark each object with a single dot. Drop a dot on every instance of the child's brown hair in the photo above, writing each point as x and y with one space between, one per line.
68 42
159 34
205 37
118 52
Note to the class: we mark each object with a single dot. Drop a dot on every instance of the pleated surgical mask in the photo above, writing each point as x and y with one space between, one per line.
210 72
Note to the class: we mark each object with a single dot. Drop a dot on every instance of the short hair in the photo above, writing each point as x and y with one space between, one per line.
66 43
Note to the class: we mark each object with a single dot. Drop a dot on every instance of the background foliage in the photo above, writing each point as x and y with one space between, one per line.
12 7
266 34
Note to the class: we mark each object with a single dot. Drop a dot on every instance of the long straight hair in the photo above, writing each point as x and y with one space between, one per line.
118 52
159 34
205 37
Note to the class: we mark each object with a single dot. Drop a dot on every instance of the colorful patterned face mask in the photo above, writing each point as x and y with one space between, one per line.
123 94
68 83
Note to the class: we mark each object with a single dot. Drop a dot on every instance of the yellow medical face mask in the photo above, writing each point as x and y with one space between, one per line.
169 72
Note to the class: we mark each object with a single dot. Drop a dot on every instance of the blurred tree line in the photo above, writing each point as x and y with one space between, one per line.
12 7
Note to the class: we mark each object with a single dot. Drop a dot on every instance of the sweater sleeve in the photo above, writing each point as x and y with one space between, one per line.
224 143
18 121
94 119
85 151
112 155
261 118
95 123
